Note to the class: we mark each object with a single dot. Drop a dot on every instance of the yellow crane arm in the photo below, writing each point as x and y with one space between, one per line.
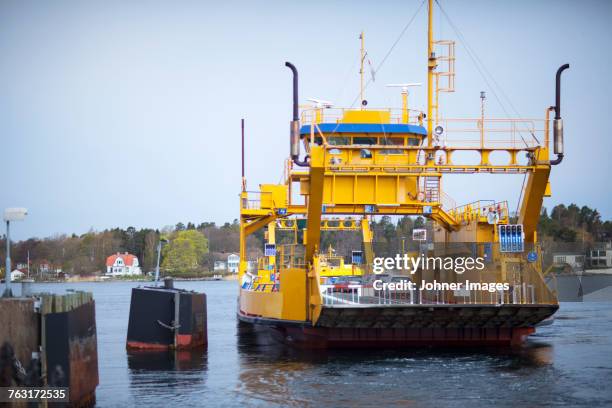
533 196
315 201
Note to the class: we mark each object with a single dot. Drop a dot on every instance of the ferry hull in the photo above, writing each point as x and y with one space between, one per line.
318 337
415 325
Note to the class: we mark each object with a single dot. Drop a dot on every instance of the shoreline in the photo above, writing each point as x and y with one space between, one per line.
107 280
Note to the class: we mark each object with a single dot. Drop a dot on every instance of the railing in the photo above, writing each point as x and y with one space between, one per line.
510 135
253 199
263 263
355 295
290 256
431 189
479 210
492 134
447 201
343 153
495 134
336 114
519 274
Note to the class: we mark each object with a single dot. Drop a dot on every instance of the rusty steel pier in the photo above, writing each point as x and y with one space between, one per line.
49 340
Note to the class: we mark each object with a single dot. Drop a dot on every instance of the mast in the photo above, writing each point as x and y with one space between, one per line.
431 65
242 143
482 115
361 96
405 113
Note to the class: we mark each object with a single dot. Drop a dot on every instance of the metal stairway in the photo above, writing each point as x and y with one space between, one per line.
431 187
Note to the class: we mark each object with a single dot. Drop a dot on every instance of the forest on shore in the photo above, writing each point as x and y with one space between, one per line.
192 248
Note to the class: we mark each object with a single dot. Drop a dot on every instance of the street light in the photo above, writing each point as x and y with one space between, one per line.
159 247
11 214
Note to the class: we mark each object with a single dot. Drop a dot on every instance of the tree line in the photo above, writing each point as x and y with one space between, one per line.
190 250
193 249
574 224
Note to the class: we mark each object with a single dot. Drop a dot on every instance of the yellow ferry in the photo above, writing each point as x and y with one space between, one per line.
362 163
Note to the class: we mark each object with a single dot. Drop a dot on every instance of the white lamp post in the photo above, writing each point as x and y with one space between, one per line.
11 214
159 247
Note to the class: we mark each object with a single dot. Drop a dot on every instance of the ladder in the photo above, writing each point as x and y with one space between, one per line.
445 78
431 187
447 63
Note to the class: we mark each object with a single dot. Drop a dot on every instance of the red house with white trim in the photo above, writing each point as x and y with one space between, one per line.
122 264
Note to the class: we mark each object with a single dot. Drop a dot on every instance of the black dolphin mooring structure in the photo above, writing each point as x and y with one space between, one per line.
164 317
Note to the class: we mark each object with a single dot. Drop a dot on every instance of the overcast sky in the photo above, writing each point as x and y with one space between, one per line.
127 113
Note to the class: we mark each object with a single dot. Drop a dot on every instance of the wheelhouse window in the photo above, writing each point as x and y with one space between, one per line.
360 140
392 141
391 151
338 140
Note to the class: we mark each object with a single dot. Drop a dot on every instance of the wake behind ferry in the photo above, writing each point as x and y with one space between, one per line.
362 163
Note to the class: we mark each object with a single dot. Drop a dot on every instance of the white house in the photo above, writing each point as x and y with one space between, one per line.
601 258
219 266
122 265
576 261
233 263
44 266
17 275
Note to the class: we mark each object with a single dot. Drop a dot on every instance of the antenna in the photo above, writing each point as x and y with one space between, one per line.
405 86
362 59
320 103
243 175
